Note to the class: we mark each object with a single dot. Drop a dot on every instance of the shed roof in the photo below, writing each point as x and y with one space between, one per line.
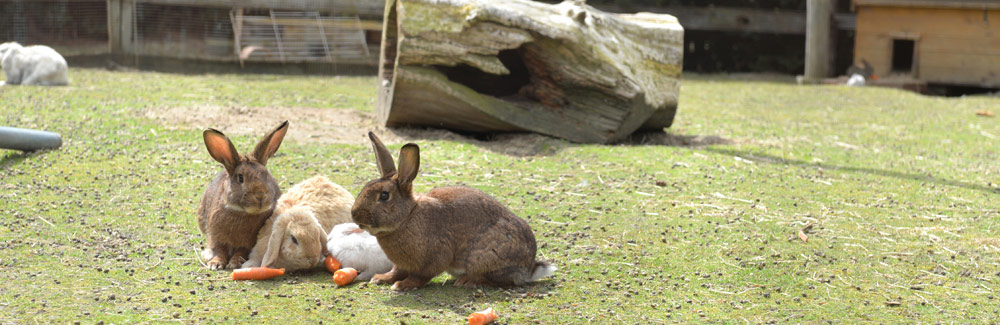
956 4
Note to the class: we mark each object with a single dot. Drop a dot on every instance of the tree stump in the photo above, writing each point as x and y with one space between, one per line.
566 70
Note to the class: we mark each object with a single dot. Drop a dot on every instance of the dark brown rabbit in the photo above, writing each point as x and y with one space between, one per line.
239 199
456 229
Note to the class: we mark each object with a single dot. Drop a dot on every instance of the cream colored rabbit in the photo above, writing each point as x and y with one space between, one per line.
295 236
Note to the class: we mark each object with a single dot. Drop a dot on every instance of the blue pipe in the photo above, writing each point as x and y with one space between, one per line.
28 140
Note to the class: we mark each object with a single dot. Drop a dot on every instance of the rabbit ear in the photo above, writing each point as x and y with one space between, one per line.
8 50
382 156
221 149
270 143
274 241
409 165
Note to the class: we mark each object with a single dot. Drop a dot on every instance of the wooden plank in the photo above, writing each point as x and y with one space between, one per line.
357 7
819 39
878 51
127 24
725 19
844 21
236 19
961 61
968 45
365 24
958 4
957 46
938 21
114 29
970 77
874 49
735 19
233 59
738 19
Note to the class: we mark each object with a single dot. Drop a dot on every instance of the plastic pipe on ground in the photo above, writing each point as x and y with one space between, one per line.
28 140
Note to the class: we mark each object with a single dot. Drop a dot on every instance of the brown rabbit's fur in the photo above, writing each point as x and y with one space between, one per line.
239 199
456 229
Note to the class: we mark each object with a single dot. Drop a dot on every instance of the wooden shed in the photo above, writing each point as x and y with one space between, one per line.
949 42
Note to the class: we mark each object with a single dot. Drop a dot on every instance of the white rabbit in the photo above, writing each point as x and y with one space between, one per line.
33 65
856 80
293 238
358 249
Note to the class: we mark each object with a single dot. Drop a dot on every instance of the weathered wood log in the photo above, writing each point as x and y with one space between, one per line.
566 70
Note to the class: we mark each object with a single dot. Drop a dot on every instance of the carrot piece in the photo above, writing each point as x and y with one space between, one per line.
332 264
257 273
345 276
482 317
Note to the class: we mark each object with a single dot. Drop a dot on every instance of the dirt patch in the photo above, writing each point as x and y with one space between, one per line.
306 124
320 125
324 125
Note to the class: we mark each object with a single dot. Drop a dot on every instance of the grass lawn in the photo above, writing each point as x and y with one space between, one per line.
700 225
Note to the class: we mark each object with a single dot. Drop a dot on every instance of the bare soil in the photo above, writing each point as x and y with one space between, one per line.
320 125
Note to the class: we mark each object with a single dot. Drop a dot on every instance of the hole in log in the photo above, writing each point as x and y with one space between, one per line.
529 79
491 84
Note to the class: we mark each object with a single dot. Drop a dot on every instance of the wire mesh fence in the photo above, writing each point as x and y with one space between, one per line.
298 36
183 32
263 35
209 30
72 27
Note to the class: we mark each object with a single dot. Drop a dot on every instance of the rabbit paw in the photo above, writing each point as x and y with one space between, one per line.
383 278
470 282
409 284
236 262
217 263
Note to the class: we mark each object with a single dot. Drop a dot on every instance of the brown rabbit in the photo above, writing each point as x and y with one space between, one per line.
239 199
456 229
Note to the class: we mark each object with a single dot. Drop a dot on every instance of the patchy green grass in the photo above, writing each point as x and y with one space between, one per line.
900 189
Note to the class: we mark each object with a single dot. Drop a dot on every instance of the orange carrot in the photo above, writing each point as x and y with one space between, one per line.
257 273
332 264
345 276
482 317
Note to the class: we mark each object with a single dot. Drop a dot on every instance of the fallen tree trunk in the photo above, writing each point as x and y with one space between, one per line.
566 70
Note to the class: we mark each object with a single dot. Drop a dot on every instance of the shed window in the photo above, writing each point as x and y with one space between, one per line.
902 55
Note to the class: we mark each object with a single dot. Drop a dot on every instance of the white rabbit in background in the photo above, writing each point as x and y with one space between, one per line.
33 65
357 249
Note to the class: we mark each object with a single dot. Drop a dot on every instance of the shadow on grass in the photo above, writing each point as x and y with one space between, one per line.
516 144
13 157
532 144
434 296
446 295
770 159
661 138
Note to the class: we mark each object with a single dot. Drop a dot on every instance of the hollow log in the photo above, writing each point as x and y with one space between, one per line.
566 70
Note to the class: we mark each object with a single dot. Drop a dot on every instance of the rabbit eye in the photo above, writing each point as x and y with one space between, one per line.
383 196
294 241
239 177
